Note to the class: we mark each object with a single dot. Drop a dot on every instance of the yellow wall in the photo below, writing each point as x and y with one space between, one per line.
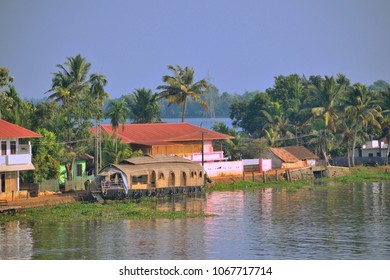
11 181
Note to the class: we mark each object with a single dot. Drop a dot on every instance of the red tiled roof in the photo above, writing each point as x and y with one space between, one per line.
284 155
293 153
162 133
10 130
300 152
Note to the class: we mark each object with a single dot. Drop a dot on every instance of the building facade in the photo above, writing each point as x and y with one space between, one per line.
15 157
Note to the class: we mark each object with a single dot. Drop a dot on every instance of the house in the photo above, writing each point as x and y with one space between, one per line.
292 157
374 148
15 157
181 139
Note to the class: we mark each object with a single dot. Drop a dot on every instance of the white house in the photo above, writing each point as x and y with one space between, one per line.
372 148
14 157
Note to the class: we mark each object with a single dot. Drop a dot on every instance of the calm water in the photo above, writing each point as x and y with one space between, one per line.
325 222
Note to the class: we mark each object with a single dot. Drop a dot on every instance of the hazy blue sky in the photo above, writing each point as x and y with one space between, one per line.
237 45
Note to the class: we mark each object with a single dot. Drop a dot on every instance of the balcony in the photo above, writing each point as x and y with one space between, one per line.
22 156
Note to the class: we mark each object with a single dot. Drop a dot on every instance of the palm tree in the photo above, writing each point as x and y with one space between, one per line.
180 86
275 122
71 79
325 97
97 92
145 108
117 111
385 104
364 107
346 126
69 88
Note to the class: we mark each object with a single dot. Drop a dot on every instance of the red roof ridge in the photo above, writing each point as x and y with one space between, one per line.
10 130
154 133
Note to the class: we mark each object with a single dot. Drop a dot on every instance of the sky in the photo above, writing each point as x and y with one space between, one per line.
236 45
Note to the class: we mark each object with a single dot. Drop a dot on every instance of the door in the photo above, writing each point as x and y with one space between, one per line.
2 182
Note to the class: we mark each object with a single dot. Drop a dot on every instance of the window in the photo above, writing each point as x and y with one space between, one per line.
161 176
3 148
370 155
79 169
13 147
141 179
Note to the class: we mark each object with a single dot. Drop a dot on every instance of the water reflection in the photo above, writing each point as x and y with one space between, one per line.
16 241
323 222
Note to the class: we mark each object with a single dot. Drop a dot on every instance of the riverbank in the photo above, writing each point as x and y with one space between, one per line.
70 207
357 174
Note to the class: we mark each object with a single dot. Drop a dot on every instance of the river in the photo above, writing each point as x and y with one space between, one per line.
322 222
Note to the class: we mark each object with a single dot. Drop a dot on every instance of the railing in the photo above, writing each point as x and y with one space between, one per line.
111 186
208 156
22 156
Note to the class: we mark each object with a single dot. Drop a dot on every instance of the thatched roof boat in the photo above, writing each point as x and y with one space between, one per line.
150 175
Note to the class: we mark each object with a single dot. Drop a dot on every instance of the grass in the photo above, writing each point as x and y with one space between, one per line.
365 174
358 174
81 211
249 185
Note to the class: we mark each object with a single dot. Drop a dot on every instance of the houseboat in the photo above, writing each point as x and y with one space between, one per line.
149 175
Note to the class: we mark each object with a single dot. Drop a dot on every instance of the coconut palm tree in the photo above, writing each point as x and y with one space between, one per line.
364 107
325 97
385 123
98 94
144 107
117 112
180 86
71 80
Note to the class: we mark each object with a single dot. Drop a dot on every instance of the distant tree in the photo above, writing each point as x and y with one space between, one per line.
325 100
249 114
181 86
364 107
385 122
379 86
97 93
117 112
144 106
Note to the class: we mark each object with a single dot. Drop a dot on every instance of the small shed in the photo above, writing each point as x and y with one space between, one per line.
292 157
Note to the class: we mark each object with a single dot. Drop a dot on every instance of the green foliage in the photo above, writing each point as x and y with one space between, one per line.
318 112
113 152
144 107
46 156
182 86
111 210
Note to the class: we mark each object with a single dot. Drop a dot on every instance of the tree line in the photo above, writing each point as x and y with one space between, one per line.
76 102
328 114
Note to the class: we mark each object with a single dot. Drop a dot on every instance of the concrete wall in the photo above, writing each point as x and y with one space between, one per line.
224 168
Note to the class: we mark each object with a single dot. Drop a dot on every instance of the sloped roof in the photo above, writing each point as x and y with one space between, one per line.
284 155
10 130
301 152
162 133
159 158
293 153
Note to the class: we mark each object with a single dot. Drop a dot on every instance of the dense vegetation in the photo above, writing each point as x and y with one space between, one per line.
328 114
